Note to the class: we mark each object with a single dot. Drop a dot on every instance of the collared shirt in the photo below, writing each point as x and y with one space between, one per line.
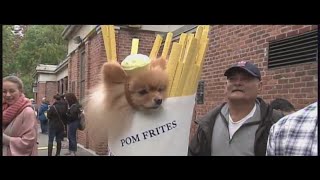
295 134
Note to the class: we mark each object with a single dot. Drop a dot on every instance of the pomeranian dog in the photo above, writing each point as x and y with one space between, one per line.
111 105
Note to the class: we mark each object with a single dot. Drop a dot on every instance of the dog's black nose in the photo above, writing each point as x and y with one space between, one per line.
158 101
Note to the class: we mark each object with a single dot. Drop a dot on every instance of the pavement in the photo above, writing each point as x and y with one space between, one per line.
43 147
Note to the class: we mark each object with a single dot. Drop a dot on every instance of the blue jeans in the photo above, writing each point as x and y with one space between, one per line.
72 135
44 126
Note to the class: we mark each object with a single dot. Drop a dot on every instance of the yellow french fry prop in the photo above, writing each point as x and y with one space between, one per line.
106 40
182 42
205 32
185 42
200 61
173 63
187 64
134 46
199 34
113 43
156 47
203 45
167 45
188 87
195 72
191 76
175 81
109 40
173 87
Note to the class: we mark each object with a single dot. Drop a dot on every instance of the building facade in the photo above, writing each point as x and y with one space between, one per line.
50 80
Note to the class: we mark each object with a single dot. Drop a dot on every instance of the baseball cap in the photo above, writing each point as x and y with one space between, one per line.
247 66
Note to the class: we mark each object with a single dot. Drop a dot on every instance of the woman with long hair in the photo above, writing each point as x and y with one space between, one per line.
73 122
56 116
19 124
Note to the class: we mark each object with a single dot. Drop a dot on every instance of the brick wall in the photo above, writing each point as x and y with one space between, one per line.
95 57
48 89
41 87
51 90
230 44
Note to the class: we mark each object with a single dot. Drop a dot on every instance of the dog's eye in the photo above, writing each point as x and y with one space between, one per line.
143 92
161 89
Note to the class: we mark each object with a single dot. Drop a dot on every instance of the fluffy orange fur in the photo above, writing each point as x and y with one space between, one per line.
107 107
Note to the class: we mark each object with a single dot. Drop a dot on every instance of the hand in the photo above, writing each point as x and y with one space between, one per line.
5 139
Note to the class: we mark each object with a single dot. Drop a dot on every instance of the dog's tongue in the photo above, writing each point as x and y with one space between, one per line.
135 61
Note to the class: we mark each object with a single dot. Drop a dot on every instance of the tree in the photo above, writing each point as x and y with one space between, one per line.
41 44
9 65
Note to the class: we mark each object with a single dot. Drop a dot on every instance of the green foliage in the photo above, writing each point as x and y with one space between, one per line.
9 65
41 44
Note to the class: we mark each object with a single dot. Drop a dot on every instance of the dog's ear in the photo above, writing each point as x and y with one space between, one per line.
159 63
112 72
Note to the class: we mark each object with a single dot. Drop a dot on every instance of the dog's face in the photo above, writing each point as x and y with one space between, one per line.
148 89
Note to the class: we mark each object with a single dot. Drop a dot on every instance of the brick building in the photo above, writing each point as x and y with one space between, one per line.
285 54
50 80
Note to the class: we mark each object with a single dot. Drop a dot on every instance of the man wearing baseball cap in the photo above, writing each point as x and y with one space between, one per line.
240 126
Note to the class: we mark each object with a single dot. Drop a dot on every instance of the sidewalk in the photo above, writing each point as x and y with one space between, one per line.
43 147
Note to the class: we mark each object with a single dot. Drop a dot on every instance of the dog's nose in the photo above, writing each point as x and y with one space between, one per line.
158 101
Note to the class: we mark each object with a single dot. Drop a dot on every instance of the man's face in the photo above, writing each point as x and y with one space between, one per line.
242 86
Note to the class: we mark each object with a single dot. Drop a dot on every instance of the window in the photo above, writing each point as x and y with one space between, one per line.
58 82
200 93
73 86
35 87
62 84
66 84
82 74
294 50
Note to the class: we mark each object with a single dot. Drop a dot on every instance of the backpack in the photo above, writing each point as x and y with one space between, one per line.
82 124
79 115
